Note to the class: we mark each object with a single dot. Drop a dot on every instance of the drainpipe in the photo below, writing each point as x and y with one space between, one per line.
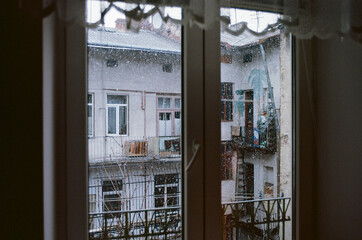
270 91
143 106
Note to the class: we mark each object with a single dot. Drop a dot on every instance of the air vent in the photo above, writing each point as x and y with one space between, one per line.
112 63
167 67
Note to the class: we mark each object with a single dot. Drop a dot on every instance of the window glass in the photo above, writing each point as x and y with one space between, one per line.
135 151
255 129
111 120
90 114
116 99
226 101
122 120
166 190
177 103
164 102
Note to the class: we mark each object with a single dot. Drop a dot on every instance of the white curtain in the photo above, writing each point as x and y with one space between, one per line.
303 18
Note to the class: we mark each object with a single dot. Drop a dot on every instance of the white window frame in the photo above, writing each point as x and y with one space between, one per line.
172 109
118 192
117 105
165 186
65 165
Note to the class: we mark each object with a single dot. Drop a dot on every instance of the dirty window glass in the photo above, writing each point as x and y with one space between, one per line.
134 120
256 110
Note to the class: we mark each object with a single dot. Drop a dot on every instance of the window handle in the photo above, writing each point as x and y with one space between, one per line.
195 150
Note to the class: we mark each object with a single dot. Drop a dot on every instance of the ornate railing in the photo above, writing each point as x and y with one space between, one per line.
261 138
250 219
156 223
124 147
256 219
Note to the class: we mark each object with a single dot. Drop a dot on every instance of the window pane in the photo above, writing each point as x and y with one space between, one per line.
89 99
177 103
117 99
167 102
90 120
122 120
160 102
135 151
177 123
111 120
255 112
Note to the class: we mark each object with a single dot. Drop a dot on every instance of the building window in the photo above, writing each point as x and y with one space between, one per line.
169 116
164 102
227 101
249 117
117 115
112 63
166 190
247 58
112 192
226 161
228 227
268 182
90 114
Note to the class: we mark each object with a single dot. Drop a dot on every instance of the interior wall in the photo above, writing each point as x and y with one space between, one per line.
21 176
338 78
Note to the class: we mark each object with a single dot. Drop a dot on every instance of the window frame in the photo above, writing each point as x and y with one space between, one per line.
227 99
117 105
165 186
70 174
112 192
226 162
173 109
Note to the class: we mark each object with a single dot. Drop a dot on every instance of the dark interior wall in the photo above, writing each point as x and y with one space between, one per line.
21 205
338 76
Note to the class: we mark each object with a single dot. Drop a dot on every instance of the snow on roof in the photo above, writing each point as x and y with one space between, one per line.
143 40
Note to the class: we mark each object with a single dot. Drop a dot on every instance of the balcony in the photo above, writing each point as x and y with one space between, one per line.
255 139
111 148
250 219
256 219
156 223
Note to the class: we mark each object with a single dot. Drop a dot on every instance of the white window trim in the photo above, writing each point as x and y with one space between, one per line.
65 204
117 105
165 186
171 110
113 192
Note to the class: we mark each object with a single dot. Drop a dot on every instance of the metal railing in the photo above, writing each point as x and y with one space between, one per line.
256 219
257 138
156 223
250 219
125 147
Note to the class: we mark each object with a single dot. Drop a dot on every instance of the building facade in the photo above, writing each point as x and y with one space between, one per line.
134 124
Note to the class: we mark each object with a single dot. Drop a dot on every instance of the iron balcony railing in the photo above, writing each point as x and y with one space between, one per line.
250 219
262 138
125 147
256 219
156 223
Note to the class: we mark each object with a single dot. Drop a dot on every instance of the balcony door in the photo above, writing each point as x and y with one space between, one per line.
165 124
249 117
